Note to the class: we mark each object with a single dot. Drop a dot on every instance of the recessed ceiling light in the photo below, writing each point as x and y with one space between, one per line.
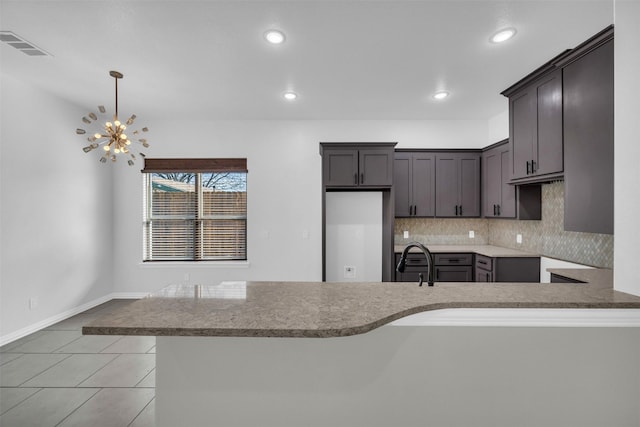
441 95
274 36
290 96
503 35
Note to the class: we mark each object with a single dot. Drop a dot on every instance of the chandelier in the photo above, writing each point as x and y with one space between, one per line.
111 136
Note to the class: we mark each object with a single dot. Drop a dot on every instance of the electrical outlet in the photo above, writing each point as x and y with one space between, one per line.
519 238
33 303
405 234
186 277
472 234
349 272
305 234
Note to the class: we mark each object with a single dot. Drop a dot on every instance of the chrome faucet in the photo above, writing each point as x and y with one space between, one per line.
427 254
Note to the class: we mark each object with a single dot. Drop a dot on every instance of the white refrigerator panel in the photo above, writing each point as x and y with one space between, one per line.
354 236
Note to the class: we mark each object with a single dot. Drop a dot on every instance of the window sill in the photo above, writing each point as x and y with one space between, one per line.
195 264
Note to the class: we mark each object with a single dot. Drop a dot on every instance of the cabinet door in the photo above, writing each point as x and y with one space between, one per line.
402 184
522 132
376 167
492 182
517 269
589 147
483 275
447 185
340 167
499 197
423 184
469 205
548 158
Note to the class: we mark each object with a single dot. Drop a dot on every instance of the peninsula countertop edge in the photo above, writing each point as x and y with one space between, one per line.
327 309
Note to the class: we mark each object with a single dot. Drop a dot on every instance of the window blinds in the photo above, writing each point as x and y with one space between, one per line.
195 209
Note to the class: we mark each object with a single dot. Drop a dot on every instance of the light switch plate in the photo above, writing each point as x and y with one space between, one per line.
519 238
472 234
405 234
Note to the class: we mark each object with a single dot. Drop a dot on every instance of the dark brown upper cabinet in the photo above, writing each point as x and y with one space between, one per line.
499 197
535 129
414 184
588 135
457 184
357 165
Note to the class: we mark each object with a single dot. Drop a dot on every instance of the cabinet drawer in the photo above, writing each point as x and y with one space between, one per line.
453 259
454 273
484 262
413 259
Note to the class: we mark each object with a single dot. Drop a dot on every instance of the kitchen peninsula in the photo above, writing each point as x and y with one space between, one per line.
318 354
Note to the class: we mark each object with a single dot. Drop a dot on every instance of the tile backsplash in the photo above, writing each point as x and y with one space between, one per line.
546 237
442 231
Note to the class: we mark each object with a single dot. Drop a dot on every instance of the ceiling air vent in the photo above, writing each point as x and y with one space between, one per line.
21 44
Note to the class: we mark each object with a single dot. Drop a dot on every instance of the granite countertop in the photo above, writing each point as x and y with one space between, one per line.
486 250
319 309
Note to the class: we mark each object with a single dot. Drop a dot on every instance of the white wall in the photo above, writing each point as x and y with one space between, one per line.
284 191
354 236
55 210
498 126
627 146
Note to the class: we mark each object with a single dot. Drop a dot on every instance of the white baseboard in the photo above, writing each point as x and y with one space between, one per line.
129 295
45 323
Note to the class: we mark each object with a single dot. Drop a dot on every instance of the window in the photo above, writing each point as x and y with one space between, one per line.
195 209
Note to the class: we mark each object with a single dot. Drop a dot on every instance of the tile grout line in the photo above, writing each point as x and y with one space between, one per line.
141 411
60 361
64 345
93 373
16 358
108 363
28 397
143 378
79 406
90 352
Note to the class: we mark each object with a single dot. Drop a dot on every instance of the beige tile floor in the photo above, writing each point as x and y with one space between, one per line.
58 377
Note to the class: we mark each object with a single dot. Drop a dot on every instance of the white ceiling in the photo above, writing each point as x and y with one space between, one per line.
346 59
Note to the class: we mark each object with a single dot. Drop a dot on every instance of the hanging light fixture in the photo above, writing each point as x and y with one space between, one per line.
111 136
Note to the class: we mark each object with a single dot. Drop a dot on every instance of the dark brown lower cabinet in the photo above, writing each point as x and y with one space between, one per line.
447 268
507 269
453 267
416 264
467 267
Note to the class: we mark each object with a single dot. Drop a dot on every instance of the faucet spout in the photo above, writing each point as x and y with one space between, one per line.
428 256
